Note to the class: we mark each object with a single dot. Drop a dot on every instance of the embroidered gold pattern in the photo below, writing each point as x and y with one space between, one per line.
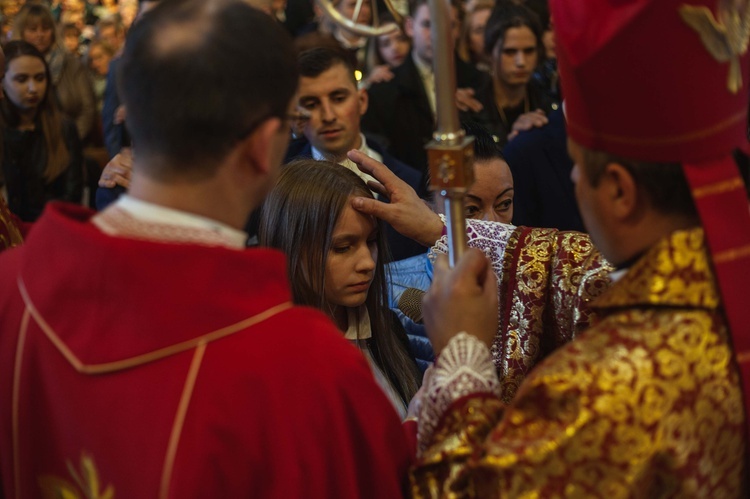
725 38
551 276
86 483
647 403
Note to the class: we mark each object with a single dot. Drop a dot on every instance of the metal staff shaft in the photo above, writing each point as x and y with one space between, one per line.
450 154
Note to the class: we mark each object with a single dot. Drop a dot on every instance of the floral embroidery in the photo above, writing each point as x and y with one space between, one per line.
86 483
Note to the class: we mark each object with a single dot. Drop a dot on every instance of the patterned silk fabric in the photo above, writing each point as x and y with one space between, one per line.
646 403
10 236
546 279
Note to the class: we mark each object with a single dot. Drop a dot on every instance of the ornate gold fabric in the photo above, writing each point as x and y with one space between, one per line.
548 279
646 403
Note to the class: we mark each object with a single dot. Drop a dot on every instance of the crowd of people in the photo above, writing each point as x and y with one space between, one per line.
257 302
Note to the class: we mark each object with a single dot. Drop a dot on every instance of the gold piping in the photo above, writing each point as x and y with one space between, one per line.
732 254
16 395
179 420
666 140
718 188
743 357
149 356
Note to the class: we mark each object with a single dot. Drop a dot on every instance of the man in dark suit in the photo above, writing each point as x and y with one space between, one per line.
333 106
403 109
544 192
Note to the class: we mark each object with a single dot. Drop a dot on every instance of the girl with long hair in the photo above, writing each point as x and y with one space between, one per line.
335 259
73 92
41 157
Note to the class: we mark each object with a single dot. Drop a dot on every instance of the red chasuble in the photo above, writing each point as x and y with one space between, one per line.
133 368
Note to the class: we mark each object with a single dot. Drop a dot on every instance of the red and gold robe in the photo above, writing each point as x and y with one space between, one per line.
546 281
142 368
646 403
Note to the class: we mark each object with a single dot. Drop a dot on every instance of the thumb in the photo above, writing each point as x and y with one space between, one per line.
369 206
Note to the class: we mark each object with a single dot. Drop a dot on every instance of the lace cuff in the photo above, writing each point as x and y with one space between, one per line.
463 368
490 237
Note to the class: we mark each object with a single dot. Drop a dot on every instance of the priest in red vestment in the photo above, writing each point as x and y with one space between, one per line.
144 352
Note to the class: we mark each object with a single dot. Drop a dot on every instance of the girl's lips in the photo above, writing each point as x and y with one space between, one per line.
362 286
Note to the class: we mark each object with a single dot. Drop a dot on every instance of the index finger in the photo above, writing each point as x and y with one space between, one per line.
378 170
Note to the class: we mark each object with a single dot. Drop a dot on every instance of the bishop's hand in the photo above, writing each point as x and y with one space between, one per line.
463 299
406 212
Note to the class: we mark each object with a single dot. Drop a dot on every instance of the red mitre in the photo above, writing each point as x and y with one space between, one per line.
667 81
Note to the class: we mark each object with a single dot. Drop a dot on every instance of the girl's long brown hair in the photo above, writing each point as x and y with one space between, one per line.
58 156
298 218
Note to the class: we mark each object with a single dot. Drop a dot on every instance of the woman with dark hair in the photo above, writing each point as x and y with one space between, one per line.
73 91
335 259
42 157
513 102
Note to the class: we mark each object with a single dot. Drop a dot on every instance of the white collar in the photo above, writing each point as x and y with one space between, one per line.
154 213
347 163
359 327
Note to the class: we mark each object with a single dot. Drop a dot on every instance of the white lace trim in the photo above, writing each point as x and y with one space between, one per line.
463 368
490 237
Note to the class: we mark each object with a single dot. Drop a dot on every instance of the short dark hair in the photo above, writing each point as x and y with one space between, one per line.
416 4
507 15
485 145
315 61
664 184
194 81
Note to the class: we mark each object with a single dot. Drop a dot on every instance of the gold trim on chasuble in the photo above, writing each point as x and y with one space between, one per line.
57 487
149 356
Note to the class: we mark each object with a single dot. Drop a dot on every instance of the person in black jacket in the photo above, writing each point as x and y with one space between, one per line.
402 109
513 101
42 157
